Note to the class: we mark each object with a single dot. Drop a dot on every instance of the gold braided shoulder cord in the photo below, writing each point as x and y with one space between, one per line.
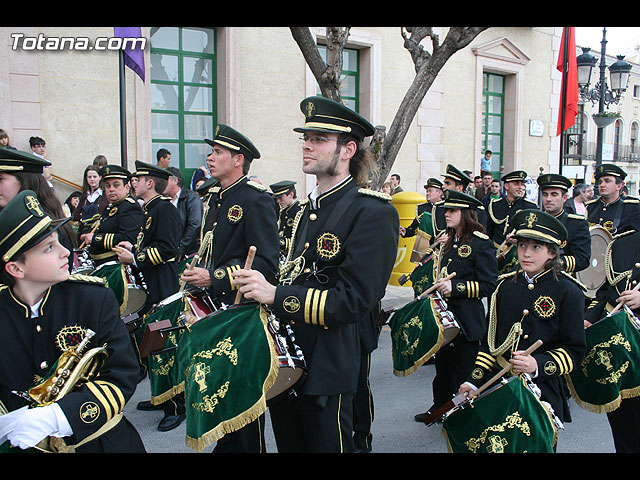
613 277
293 267
514 333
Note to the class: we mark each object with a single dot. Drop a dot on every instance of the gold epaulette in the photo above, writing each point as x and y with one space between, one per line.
304 201
618 235
631 200
257 186
591 201
76 277
575 280
576 216
130 200
164 197
373 193
481 235
507 275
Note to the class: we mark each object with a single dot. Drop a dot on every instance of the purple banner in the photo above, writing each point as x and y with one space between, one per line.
134 59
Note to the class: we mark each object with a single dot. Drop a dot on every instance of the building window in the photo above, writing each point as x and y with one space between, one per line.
493 119
183 94
350 78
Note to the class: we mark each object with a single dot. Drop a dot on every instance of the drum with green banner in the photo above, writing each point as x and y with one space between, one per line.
422 276
228 363
507 418
113 273
508 260
164 375
416 335
609 371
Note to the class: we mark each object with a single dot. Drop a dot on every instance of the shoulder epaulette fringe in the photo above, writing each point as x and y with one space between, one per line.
481 235
257 186
575 280
373 193
76 277
576 216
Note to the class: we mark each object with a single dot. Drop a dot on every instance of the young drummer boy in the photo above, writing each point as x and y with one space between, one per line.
536 302
47 311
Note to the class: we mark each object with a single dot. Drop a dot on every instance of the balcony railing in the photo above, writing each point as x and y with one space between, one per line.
621 153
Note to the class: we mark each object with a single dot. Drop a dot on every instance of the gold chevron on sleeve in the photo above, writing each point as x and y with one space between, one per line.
563 359
314 306
484 360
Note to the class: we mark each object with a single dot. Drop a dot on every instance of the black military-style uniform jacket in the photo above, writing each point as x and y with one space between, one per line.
622 268
244 216
157 246
616 217
473 259
576 255
421 209
500 212
30 347
119 222
286 218
548 309
346 245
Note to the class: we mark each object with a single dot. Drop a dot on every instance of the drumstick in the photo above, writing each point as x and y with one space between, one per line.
95 227
189 267
502 372
621 304
434 287
247 266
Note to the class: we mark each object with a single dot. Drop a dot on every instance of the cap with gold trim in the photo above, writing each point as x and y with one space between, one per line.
114 171
326 115
457 175
433 182
456 199
24 224
539 225
517 175
280 188
554 180
150 170
230 138
609 169
19 161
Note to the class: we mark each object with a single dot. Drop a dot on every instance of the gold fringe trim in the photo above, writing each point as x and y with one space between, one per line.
425 358
247 416
607 407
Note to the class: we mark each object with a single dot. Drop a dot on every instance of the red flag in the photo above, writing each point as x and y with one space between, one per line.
569 94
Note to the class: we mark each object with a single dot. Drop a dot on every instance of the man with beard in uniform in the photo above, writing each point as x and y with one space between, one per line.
345 245
500 213
612 210
120 221
244 216
576 254
285 194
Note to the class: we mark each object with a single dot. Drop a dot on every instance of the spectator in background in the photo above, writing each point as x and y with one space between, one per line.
164 158
485 188
92 201
189 204
4 140
576 204
39 149
485 161
495 192
71 203
387 188
100 161
395 183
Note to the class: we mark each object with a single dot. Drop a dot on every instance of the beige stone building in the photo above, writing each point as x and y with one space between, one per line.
501 92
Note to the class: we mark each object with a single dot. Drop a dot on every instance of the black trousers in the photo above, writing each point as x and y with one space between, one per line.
249 439
363 412
313 424
625 426
453 364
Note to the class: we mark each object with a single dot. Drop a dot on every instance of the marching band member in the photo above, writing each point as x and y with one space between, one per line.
343 251
614 211
433 195
469 253
623 274
538 301
284 193
154 253
120 221
46 311
576 254
244 216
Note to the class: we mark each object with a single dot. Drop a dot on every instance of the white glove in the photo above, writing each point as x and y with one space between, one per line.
34 424
8 423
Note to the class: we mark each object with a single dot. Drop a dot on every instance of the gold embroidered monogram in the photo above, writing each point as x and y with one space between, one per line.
89 412
234 214
544 307
291 304
328 245
464 251
531 219
33 205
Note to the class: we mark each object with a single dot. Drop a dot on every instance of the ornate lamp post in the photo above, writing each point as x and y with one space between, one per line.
619 73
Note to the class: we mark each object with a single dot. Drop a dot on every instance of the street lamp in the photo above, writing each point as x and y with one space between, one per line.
619 74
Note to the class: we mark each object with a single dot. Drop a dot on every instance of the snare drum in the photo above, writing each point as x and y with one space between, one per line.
292 368
129 289
82 263
446 319
507 418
